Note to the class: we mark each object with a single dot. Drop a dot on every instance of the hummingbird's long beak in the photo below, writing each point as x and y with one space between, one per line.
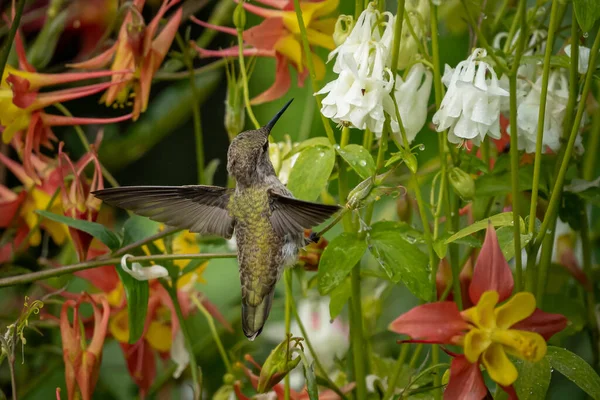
272 122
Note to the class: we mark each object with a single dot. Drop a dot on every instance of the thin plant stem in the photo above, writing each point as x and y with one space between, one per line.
499 15
573 75
358 8
589 161
185 50
415 356
537 164
69 269
175 76
315 355
590 296
311 69
11 36
357 335
389 393
289 298
240 37
307 119
213 330
545 261
86 144
172 290
398 33
557 189
514 150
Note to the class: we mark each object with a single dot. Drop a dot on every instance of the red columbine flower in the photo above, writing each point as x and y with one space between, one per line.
82 360
139 49
77 200
486 331
22 105
278 36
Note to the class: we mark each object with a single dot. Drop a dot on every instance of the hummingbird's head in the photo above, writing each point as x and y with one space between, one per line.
248 155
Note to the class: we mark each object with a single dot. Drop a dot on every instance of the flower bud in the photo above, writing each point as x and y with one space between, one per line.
359 193
239 16
235 113
278 365
343 27
404 208
462 183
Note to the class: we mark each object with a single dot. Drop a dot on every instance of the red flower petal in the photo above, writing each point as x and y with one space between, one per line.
546 324
491 270
466 382
141 364
510 390
265 35
436 322
281 85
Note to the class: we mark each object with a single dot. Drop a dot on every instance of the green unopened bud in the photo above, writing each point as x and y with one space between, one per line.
278 364
462 183
225 392
235 113
343 27
359 193
239 16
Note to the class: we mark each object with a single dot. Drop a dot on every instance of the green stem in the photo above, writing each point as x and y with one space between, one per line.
389 393
589 161
397 33
590 294
514 149
357 335
86 145
11 36
69 269
358 8
215 335
542 114
311 69
557 189
289 299
240 37
545 261
195 110
499 15
172 290
573 76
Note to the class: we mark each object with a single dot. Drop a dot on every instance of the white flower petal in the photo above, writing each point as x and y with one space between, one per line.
143 273
179 354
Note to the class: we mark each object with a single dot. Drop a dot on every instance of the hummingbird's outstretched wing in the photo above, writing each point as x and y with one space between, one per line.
201 209
290 216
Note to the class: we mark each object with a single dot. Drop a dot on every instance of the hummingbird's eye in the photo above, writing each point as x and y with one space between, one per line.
266 146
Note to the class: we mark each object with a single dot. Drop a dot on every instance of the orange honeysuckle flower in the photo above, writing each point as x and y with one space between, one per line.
82 360
77 200
22 105
139 49
278 36
486 331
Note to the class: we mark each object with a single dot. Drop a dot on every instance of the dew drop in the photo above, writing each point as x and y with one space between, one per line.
586 34
421 147
485 16
363 163
321 154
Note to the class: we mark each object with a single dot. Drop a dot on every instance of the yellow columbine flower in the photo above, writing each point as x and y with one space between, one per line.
491 336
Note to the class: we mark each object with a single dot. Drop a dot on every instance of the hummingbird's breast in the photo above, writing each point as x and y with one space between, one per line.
259 247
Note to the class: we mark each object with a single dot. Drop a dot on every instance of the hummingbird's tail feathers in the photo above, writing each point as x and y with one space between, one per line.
273 121
290 216
254 317
201 209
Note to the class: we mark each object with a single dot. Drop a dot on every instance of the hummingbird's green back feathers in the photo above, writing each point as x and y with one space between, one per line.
201 209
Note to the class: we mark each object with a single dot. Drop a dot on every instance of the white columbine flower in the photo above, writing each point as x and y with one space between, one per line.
583 60
360 94
412 96
529 108
179 354
143 273
471 107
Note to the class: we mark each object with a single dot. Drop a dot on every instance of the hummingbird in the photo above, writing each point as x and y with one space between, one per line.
267 220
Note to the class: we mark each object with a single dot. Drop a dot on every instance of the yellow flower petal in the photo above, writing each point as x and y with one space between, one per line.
325 25
291 49
319 66
482 314
115 297
498 366
324 7
519 307
119 326
523 344
320 39
159 336
475 343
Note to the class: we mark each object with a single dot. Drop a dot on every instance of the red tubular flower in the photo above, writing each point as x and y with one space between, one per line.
140 50
77 200
82 362
278 36
486 331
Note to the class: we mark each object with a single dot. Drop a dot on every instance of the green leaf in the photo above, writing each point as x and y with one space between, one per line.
338 259
534 379
401 260
587 13
311 381
169 110
502 219
359 159
137 293
41 51
339 297
138 228
310 173
308 143
506 239
575 369
93 228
